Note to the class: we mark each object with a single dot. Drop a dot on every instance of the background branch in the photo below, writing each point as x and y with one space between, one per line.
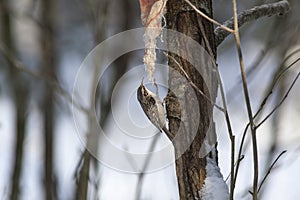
279 8
270 168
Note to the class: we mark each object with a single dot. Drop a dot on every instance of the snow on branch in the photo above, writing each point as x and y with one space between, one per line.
214 187
279 8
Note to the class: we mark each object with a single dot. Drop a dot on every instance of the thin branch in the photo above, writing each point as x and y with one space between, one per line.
83 176
78 166
278 8
240 154
269 170
280 103
239 160
277 77
145 165
134 165
247 99
226 29
256 64
193 84
230 132
261 107
228 123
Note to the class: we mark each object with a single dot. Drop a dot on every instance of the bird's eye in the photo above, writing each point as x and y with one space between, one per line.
152 100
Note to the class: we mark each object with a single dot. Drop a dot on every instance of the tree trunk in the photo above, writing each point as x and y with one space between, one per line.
190 167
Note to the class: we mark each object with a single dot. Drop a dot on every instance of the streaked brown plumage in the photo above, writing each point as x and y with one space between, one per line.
152 107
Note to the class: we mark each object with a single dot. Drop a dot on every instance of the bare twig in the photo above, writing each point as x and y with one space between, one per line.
272 43
280 103
256 64
278 8
230 132
132 162
240 154
193 84
262 106
145 165
247 99
83 176
226 29
276 78
270 168
239 160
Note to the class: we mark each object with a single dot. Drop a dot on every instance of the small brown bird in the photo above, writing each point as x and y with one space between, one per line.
152 107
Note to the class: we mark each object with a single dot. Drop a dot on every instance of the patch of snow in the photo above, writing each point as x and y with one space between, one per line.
214 187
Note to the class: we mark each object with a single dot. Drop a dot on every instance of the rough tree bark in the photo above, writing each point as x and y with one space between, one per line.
190 168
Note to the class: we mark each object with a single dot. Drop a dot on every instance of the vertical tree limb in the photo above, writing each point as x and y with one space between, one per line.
247 100
19 98
48 64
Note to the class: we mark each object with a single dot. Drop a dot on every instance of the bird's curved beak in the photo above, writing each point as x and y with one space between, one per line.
142 82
